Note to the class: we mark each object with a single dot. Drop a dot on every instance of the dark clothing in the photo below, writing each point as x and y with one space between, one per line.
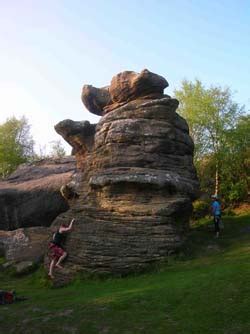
56 245
216 211
58 239
217 219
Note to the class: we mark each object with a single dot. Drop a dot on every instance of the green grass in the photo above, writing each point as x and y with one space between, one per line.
203 290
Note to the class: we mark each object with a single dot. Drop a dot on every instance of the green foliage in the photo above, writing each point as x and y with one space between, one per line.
209 112
206 168
235 159
229 212
201 208
16 144
221 137
57 149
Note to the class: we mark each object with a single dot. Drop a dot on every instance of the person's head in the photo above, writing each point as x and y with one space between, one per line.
214 197
63 225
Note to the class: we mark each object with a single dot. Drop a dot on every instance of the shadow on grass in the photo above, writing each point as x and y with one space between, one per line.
201 239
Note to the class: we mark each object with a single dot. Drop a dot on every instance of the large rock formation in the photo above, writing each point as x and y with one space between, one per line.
138 179
31 195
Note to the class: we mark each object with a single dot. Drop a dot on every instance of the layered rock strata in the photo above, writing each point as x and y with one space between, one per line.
31 195
138 183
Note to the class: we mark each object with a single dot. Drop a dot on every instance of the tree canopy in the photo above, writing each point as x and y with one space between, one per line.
210 112
57 149
220 132
16 144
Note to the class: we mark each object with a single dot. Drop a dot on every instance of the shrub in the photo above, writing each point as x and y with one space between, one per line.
201 209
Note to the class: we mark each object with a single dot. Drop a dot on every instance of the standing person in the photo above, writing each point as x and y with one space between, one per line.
216 212
58 253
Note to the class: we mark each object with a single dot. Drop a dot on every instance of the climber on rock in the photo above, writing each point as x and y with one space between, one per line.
58 253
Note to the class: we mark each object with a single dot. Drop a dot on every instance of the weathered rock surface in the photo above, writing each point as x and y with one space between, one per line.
24 244
95 99
125 86
80 135
136 191
31 195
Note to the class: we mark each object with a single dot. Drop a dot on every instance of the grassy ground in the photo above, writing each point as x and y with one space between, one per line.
205 290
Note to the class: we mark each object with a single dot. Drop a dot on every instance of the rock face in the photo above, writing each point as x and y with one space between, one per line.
24 244
31 195
80 135
138 182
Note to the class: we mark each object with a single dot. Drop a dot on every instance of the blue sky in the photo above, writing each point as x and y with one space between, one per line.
49 49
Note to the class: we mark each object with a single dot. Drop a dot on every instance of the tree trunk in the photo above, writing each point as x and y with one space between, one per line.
216 178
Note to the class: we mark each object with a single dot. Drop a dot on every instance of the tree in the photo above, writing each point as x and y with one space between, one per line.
57 149
210 113
236 161
16 144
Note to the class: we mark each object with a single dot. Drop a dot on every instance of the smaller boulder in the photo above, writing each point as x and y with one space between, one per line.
95 99
25 244
80 135
24 267
31 195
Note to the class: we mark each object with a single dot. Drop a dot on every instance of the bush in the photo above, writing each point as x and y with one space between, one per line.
201 209
228 212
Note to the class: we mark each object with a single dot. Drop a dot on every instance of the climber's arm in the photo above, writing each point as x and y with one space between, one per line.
69 228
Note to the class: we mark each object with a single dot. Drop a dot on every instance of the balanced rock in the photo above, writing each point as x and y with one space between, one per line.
31 195
125 86
137 185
